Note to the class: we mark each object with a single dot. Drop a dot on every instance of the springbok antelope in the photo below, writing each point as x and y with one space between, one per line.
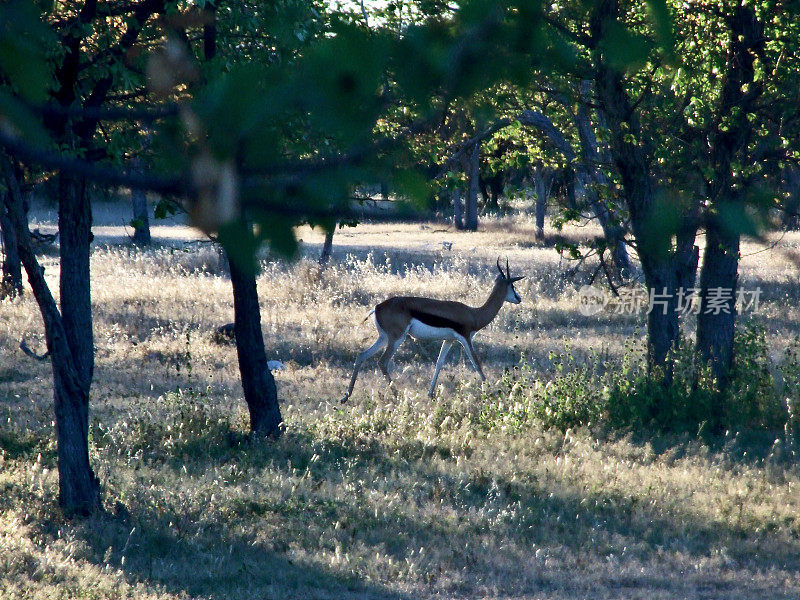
430 319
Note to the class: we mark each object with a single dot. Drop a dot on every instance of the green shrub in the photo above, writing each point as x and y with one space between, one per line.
622 394
570 398
753 400
637 398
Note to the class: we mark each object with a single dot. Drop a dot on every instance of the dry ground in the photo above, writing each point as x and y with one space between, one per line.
385 497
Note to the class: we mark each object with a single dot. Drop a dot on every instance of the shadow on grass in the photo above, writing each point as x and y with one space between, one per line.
545 514
754 448
287 507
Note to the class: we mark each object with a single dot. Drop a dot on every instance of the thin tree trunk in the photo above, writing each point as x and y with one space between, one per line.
458 208
582 184
11 283
791 207
79 490
471 200
594 176
258 384
483 186
541 186
260 391
141 218
327 247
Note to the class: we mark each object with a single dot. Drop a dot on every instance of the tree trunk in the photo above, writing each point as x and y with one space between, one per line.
665 275
75 237
664 267
384 191
327 248
458 208
541 187
79 490
791 206
78 487
582 183
484 189
471 200
715 323
11 283
260 391
496 190
719 275
594 176
141 218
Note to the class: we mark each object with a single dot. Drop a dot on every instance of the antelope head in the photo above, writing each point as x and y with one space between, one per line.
511 294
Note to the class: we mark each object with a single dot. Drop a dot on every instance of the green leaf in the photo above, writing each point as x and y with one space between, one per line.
663 222
278 232
625 50
413 186
164 208
664 27
240 245
736 219
24 39
18 118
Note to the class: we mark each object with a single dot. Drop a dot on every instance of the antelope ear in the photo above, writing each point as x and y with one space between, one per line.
513 279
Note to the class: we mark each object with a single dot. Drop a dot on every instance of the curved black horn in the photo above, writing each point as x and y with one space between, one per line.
508 271
499 268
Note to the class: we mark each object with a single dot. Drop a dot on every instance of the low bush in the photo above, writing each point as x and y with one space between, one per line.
622 394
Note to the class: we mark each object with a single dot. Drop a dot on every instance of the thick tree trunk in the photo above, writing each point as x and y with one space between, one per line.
327 248
260 391
665 276
78 487
664 267
79 490
718 287
75 237
719 275
471 200
141 217
11 283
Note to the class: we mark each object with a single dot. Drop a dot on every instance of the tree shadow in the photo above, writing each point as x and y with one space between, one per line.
549 515
265 539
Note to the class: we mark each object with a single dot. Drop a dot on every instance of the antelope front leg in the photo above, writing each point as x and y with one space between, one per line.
365 355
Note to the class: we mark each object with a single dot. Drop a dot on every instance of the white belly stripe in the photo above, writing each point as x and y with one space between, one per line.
421 331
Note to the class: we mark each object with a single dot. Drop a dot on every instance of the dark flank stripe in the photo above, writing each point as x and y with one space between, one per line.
437 321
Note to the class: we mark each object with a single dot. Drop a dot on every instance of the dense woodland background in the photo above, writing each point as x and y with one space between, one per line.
284 166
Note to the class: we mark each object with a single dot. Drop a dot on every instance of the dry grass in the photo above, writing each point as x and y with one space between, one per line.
385 497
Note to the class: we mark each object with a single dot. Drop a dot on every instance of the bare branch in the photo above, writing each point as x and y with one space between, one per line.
24 347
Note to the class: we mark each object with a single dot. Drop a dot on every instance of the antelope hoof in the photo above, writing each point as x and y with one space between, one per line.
343 400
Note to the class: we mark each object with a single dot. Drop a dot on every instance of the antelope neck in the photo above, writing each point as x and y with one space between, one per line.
486 313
